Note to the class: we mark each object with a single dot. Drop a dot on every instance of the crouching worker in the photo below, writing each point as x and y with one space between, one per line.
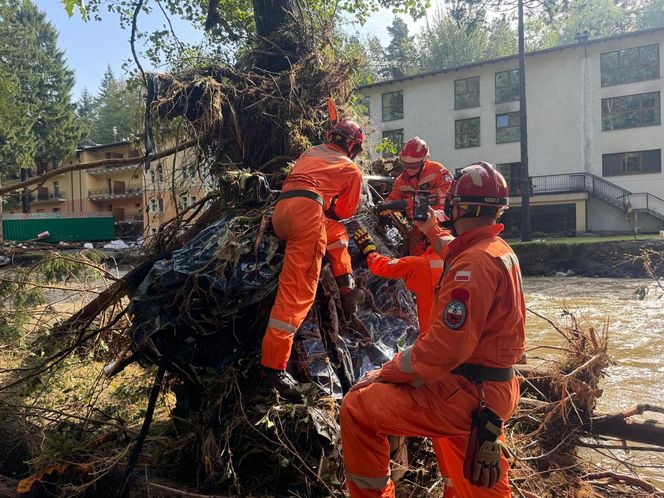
457 381
323 187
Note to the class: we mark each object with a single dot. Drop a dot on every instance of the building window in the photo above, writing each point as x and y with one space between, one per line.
161 204
194 199
160 173
466 133
396 138
631 111
507 86
630 64
183 202
467 93
56 210
153 205
393 106
507 127
632 163
366 103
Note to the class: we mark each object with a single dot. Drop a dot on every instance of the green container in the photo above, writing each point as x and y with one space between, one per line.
67 227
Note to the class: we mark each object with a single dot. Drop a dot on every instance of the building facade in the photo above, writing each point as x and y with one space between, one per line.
595 136
141 201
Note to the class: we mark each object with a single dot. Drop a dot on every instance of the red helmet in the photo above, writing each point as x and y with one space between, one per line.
348 129
479 184
414 151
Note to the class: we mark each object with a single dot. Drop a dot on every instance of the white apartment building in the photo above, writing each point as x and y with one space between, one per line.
595 134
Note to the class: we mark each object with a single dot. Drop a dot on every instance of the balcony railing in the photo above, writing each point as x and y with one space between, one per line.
602 189
132 217
50 196
116 192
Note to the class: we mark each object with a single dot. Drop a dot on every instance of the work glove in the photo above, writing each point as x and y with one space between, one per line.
386 208
364 241
482 463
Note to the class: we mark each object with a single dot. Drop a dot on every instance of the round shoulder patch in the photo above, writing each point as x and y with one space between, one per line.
455 313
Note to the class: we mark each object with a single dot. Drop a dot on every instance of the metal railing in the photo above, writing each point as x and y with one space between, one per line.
53 195
131 190
600 188
134 217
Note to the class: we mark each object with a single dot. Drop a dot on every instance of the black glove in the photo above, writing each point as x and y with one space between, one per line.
482 463
364 241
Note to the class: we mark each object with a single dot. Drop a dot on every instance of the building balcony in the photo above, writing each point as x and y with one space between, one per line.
117 191
106 168
120 215
47 196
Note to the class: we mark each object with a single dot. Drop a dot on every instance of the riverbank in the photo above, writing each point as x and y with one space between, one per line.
612 257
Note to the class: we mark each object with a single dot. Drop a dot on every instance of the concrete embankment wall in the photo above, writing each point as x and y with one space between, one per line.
597 259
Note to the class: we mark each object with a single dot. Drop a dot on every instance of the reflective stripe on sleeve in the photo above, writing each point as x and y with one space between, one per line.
406 362
338 244
406 188
436 263
368 482
283 326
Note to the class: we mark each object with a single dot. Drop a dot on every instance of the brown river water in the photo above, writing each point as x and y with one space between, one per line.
636 342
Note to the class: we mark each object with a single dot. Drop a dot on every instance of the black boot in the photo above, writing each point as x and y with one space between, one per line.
280 381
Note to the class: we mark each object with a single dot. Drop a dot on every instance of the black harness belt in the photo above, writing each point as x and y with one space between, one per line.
302 193
478 373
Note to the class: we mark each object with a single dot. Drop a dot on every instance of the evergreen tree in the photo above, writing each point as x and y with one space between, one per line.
650 15
118 111
86 110
46 129
597 18
400 59
447 41
502 39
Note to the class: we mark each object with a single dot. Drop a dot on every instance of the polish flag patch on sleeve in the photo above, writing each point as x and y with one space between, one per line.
462 276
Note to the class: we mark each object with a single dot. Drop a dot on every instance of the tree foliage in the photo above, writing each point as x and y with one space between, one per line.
112 115
44 127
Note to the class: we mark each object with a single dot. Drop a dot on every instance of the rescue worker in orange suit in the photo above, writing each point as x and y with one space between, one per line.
419 173
323 187
457 381
420 274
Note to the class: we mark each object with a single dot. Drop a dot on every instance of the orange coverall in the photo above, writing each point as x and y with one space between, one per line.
420 273
308 233
478 317
435 178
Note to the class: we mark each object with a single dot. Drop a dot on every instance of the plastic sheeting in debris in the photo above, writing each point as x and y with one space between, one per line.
208 306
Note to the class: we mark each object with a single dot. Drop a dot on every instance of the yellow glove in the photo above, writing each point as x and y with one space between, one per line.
364 241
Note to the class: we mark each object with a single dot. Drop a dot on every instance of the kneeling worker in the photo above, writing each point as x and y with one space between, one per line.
323 187
457 381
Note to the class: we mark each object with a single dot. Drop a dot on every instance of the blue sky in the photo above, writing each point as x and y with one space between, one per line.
90 47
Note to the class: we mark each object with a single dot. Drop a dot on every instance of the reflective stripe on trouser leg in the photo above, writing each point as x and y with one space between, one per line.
366 454
295 221
337 248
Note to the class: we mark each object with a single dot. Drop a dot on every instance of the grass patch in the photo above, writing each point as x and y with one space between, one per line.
584 239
